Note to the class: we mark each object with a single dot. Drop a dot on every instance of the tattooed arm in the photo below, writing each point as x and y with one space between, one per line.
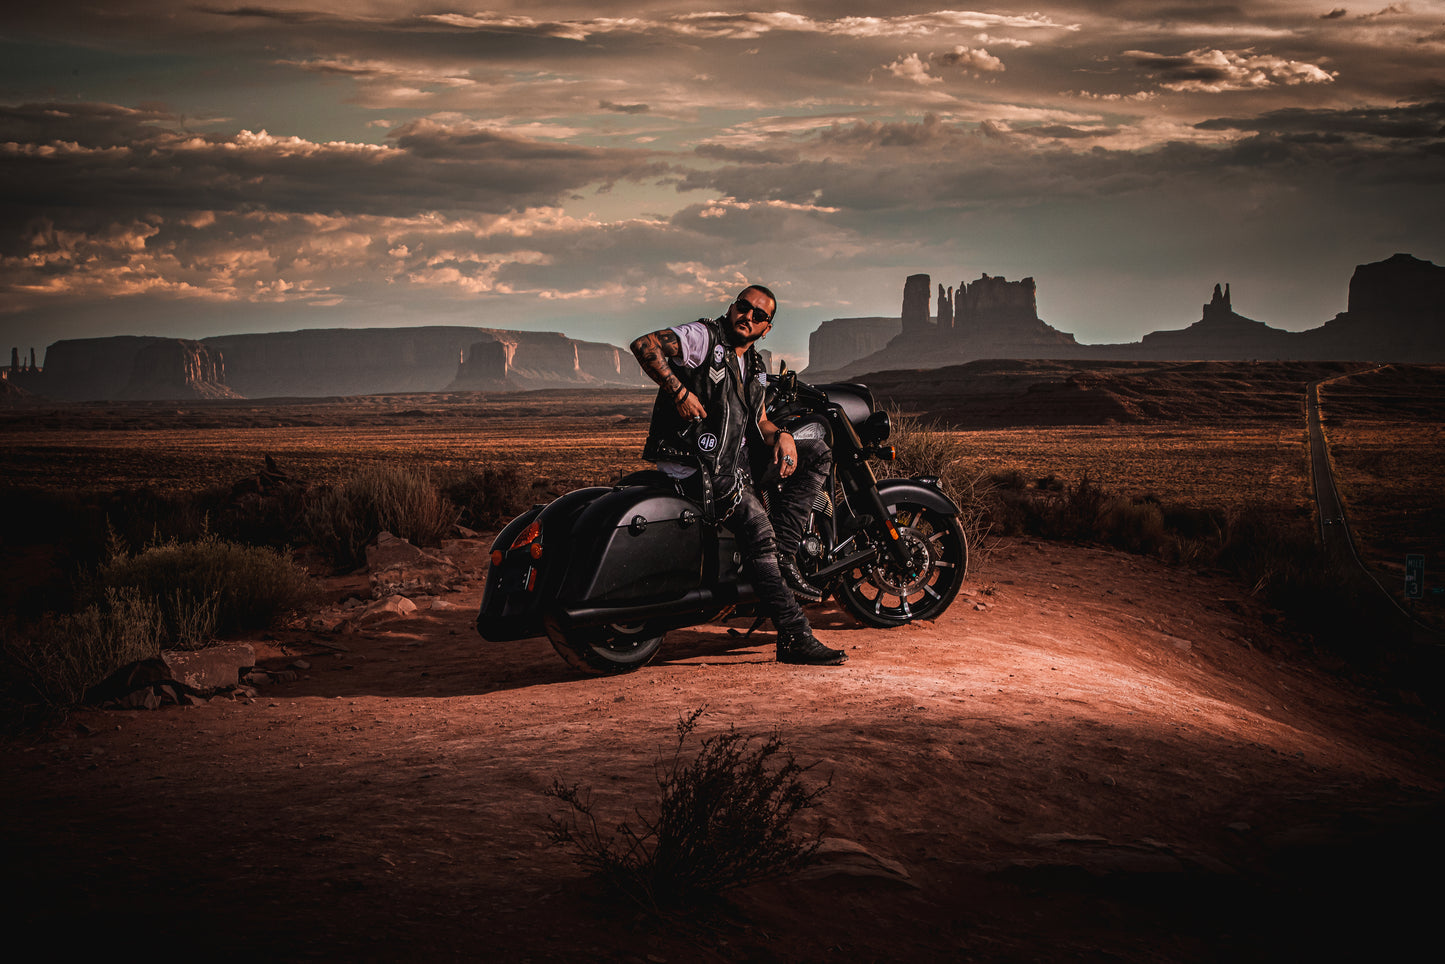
652 353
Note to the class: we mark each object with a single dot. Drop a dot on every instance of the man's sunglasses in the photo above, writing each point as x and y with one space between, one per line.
759 315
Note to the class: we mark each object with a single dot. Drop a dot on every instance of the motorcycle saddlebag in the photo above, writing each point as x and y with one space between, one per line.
637 543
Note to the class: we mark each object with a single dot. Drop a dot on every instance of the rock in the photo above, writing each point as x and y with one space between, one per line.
1396 313
916 294
841 341
994 303
470 555
176 368
848 858
399 568
390 606
213 668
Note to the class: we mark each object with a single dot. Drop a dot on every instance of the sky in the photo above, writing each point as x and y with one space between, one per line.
604 169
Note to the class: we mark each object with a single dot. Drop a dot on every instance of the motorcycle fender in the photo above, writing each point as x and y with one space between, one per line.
926 494
512 601
636 543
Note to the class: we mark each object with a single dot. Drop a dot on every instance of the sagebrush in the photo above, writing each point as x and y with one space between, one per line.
722 819
55 661
923 448
382 497
206 587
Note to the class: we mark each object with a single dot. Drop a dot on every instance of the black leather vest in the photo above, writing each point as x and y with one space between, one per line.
733 409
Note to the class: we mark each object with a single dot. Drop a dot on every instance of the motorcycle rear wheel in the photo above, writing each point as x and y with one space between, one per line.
878 593
605 650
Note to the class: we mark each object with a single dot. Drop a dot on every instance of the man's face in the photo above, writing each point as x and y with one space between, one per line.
746 327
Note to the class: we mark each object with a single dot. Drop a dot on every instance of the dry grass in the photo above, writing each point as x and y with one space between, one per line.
1391 476
1207 465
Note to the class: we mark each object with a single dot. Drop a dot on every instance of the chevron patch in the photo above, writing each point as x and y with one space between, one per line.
717 374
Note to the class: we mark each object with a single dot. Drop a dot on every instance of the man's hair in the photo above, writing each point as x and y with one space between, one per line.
767 291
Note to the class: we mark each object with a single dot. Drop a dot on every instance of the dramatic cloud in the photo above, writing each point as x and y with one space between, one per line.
561 164
1214 71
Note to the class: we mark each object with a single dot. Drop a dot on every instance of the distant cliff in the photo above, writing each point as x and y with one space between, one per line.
320 362
838 342
130 367
1396 313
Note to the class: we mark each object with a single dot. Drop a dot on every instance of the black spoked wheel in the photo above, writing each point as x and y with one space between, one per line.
880 593
605 650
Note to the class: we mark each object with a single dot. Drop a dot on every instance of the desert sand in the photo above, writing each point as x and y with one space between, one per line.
1090 756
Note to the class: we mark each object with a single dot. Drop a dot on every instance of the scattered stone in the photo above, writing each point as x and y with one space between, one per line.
839 857
210 669
387 606
398 568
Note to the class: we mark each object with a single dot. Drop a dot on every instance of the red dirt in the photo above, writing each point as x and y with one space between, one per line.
1090 755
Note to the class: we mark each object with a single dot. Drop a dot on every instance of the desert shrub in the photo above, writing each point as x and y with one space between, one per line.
1008 480
207 587
1137 526
55 661
383 497
1079 513
723 819
926 448
489 497
1048 483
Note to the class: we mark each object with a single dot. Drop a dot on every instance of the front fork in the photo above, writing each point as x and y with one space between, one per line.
868 495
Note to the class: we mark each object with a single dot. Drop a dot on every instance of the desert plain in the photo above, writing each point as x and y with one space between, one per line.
1091 755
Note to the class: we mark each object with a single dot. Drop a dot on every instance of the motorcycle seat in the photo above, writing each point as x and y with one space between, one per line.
652 478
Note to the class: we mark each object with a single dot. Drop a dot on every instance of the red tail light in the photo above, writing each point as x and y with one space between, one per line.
528 535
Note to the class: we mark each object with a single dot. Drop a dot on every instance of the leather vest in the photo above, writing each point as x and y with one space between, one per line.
733 409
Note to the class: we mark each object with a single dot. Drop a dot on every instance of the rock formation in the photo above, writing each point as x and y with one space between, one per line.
839 342
1396 313
1219 335
320 362
991 303
87 369
915 305
174 368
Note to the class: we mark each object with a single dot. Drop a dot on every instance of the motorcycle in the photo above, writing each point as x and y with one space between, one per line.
606 572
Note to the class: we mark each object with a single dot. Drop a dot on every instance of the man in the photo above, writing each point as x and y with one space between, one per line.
709 411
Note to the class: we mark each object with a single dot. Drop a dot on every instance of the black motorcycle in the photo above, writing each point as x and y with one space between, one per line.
607 572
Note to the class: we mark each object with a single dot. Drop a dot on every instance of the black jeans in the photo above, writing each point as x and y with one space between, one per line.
789 506
750 524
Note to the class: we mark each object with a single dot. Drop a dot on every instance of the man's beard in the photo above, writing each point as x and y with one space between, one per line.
737 339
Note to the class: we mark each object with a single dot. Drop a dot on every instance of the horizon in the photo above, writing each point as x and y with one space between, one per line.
550 167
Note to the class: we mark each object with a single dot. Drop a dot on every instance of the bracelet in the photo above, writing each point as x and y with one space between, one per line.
677 395
779 437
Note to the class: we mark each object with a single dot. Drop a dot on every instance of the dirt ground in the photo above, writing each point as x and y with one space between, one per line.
1090 756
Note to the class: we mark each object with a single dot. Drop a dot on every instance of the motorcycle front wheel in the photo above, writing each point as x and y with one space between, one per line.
880 593
605 650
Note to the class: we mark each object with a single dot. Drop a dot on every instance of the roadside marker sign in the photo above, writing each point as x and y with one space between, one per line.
1414 576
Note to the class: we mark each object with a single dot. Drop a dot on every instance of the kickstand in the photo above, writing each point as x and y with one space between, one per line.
751 629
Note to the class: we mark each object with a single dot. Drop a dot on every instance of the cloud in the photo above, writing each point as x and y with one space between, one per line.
1421 124
1214 71
133 160
913 69
971 59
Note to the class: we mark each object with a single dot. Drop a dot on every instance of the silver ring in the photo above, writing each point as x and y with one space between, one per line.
788 459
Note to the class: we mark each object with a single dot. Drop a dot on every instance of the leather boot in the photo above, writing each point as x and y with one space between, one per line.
802 648
797 582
